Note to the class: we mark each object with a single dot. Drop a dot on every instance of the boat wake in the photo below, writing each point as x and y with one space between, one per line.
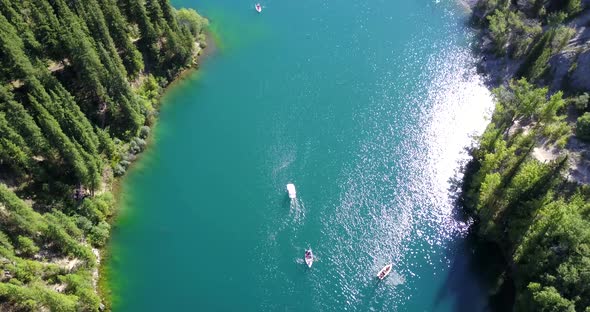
395 279
285 155
301 260
296 211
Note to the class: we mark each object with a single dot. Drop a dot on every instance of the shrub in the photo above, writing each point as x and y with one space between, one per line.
190 19
99 234
105 203
26 246
547 299
499 30
580 102
150 90
125 163
95 209
574 7
5 241
583 127
127 156
536 62
107 145
561 35
136 146
26 271
119 170
558 132
141 144
523 32
202 41
556 18
144 132
551 43
66 244
51 273
83 223
79 285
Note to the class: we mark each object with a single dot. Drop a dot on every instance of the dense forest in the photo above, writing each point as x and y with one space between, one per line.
530 204
79 89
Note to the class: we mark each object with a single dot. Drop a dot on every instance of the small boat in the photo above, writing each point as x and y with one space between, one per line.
385 271
258 7
291 190
308 258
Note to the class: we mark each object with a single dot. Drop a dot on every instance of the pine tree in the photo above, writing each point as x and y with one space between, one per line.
15 64
13 148
168 14
149 40
22 122
63 144
10 9
132 59
22 218
128 111
156 16
47 29
81 52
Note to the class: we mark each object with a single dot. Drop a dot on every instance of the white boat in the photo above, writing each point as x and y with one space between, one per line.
258 7
385 271
308 257
291 190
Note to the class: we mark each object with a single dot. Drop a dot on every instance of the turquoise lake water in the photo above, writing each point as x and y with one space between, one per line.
367 106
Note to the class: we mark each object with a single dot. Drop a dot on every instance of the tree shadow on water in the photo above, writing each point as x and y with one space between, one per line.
475 281
479 277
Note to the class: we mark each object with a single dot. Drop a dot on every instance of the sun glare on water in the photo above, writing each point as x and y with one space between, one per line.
406 216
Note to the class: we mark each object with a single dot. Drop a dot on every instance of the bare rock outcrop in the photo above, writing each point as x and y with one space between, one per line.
559 66
579 79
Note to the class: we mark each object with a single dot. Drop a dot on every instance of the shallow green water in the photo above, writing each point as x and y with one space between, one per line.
365 106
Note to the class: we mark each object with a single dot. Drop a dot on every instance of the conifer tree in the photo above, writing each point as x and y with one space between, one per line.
57 138
13 148
81 53
10 9
149 36
47 29
132 59
22 122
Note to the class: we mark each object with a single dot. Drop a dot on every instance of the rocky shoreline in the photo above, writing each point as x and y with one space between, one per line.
569 69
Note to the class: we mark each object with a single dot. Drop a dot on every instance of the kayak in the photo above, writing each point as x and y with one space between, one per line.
384 272
308 257
258 7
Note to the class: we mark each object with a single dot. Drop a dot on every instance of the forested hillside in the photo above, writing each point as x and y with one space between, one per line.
79 88
525 186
